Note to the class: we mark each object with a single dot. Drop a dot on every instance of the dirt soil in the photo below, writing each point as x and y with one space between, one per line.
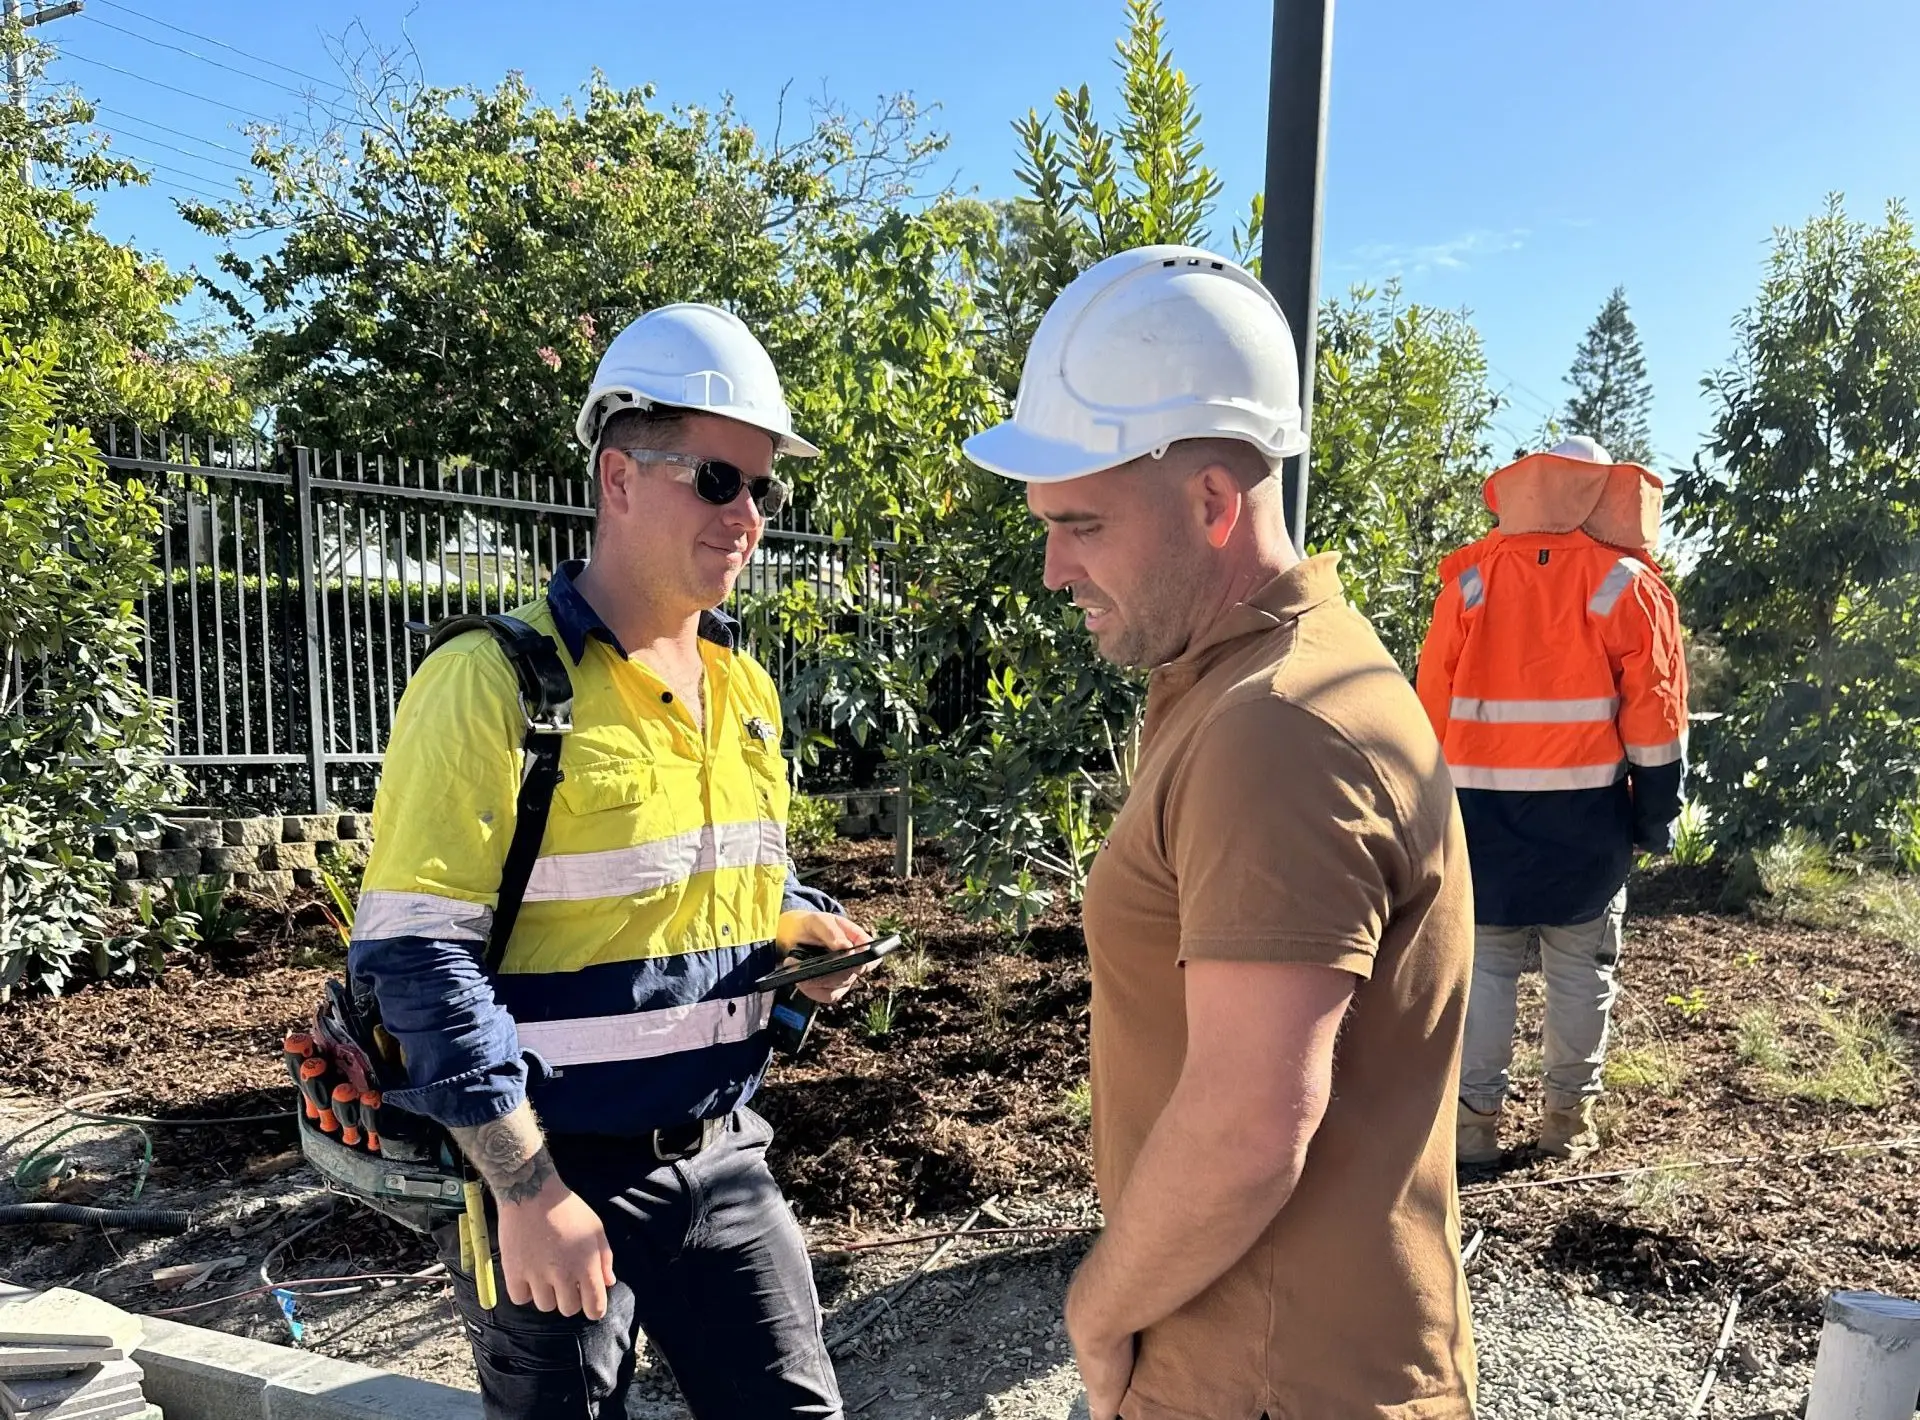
964 1088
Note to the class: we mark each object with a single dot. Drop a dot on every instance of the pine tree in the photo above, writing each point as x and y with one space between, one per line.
1611 393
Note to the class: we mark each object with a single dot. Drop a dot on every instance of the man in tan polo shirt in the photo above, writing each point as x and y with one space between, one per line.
1280 923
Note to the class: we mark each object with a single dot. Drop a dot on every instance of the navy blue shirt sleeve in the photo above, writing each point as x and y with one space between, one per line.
1657 793
798 897
461 1048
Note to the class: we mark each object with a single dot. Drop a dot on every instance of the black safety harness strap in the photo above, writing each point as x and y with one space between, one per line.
546 704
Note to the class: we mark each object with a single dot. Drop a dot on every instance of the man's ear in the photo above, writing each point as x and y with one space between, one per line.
1218 503
614 473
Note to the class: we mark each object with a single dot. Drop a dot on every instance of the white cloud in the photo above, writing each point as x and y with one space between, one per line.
1383 259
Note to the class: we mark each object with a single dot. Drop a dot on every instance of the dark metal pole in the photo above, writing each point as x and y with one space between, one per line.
1296 167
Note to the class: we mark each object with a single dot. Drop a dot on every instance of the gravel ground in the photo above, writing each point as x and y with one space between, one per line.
975 1337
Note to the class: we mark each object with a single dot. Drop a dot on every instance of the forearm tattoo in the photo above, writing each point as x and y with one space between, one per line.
510 1154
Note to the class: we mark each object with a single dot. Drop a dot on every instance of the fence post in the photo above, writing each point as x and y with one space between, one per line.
310 599
1869 1363
903 826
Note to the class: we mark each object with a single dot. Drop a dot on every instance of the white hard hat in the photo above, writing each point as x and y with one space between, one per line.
691 356
1579 446
1153 345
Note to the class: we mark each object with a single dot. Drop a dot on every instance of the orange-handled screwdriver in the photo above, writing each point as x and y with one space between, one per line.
370 1118
295 1051
312 1077
346 1109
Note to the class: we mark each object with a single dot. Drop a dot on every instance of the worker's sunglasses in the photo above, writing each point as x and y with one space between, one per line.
716 481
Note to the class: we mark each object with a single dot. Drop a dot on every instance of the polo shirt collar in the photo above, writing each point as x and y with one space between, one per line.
576 621
1299 589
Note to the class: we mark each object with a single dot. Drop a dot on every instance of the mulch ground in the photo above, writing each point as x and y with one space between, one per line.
922 1096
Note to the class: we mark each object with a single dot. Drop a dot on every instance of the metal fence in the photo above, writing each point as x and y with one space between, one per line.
288 577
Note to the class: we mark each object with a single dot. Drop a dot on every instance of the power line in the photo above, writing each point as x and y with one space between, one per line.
189 190
141 160
190 156
333 114
170 88
1546 406
230 48
176 132
179 49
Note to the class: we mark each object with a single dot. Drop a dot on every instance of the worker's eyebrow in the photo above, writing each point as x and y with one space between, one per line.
1071 516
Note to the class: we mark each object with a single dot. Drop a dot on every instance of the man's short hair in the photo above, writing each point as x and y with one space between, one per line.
1249 466
659 426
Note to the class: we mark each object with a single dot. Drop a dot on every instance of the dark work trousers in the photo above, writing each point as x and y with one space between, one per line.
708 1262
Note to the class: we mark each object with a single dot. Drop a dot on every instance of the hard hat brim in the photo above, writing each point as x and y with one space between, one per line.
586 425
1019 454
1016 453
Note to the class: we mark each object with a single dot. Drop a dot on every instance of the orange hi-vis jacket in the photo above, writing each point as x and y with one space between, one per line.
1556 680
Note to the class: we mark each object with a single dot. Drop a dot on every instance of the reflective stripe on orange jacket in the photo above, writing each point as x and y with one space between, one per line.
1555 678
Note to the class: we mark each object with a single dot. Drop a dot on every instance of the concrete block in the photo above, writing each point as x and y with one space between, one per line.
169 862
105 847
251 832
190 1371
306 877
341 1390
356 826
126 865
230 860
282 857
354 852
309 828
191 833
205 1375
274 886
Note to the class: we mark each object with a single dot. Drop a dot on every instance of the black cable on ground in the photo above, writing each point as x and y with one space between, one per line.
134 1220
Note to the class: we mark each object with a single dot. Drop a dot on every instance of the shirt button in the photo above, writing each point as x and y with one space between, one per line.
666 697
726 931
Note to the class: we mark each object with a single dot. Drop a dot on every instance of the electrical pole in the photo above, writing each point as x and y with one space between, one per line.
1296 169
17 64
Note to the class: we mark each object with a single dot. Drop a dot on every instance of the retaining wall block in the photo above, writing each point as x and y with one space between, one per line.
192 833
272 885
169 862
309 828
281 857
230 860
252 832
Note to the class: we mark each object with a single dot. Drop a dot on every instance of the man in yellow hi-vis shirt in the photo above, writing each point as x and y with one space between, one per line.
624 1011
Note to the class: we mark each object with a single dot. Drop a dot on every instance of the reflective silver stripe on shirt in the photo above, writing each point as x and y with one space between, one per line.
1607 595
646 1035
648 867
1584 776
1473 591
1597 709
383 914
1651 756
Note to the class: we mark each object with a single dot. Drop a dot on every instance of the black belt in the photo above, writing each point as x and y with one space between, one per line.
683 1141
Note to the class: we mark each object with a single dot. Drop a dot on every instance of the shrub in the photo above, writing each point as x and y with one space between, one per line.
82 744
812 824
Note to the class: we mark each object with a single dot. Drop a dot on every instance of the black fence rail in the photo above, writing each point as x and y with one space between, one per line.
289 576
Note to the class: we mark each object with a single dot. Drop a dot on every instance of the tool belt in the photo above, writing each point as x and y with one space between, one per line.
399 1164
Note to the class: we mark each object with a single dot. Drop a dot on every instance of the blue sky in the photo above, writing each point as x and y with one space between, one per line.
1515 157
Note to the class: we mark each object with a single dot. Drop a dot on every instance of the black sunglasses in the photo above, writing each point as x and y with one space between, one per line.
716 481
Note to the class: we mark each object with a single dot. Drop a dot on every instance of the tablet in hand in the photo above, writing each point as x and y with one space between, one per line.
807 962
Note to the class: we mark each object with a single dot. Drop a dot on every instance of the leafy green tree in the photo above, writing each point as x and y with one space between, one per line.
456 261
1401 422
1612 395
1805 514
82 744
101 311
1021 792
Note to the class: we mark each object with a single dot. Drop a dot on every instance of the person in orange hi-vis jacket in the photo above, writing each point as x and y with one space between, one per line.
1555 677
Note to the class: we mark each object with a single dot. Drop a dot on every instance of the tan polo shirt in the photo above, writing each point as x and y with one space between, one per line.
1291 805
